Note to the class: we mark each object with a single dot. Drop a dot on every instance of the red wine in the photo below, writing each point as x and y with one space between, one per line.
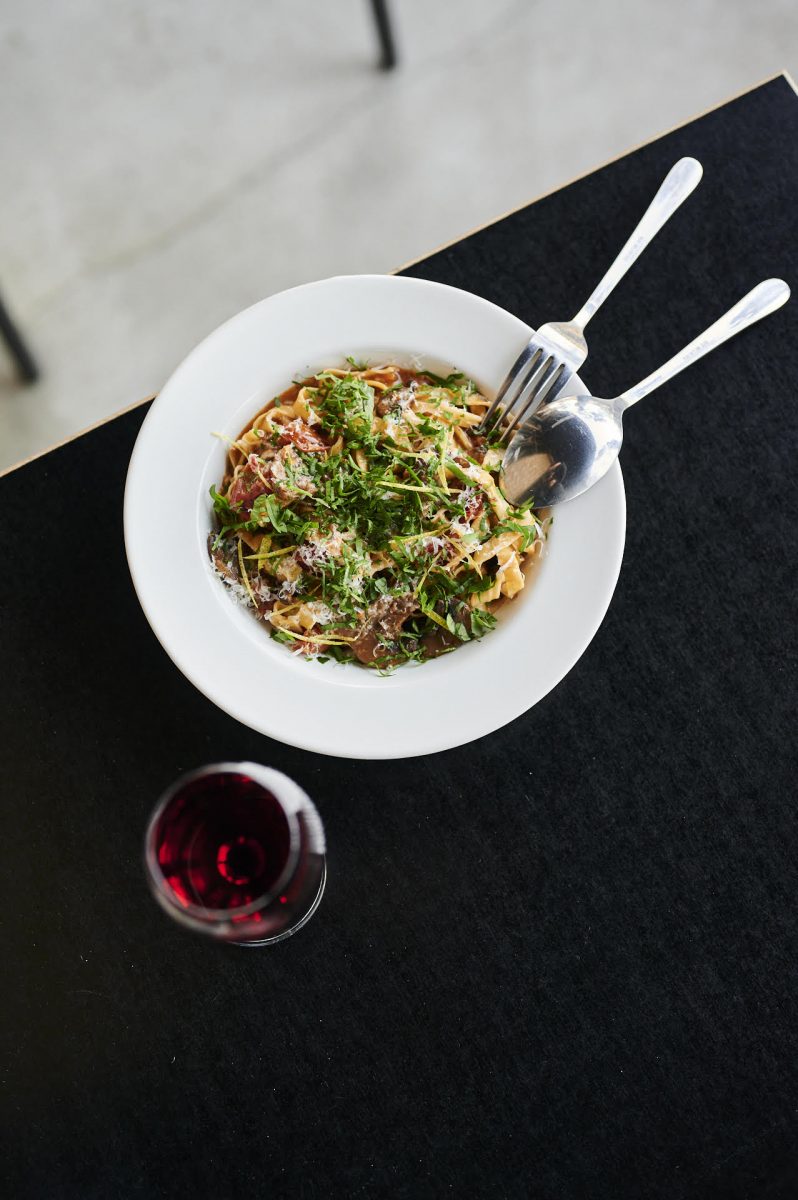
223 841
237 850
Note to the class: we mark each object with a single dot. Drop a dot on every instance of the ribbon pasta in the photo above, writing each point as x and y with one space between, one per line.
360 517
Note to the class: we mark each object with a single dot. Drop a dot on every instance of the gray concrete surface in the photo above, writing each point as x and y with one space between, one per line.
164 165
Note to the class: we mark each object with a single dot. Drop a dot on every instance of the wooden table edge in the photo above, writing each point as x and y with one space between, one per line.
783 74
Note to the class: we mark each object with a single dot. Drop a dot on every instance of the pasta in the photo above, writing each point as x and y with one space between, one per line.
360 517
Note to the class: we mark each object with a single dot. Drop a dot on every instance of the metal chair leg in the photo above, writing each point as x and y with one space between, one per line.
385 34
24 360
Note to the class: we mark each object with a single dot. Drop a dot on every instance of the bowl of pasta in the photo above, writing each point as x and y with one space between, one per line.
329 558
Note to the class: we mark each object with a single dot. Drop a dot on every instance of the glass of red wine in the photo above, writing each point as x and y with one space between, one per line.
236 850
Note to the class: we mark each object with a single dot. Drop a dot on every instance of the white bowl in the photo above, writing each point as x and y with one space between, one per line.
332 708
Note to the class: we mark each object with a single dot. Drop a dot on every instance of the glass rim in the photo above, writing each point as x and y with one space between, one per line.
198 914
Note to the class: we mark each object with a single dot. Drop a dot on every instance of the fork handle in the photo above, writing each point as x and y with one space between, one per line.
764 299
674 189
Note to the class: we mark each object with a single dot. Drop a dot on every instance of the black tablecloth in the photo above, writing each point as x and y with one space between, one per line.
560 962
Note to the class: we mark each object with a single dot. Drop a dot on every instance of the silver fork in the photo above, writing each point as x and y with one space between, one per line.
556 351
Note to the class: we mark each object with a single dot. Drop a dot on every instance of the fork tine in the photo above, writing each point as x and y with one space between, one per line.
514 381
524 398
542 393
531 397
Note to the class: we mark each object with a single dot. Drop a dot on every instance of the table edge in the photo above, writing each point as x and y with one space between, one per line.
782 74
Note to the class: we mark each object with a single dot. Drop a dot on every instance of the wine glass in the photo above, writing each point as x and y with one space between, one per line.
237 851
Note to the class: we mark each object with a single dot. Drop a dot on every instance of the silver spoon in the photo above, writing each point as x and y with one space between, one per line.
569 444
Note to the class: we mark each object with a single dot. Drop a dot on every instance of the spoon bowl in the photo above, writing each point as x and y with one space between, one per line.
563 450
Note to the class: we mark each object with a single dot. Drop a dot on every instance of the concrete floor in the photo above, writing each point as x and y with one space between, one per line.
166 164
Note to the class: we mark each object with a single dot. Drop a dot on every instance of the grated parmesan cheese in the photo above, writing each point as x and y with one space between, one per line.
236 589
322 613
462 529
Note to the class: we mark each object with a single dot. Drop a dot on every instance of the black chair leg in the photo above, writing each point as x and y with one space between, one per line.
25 362
385 34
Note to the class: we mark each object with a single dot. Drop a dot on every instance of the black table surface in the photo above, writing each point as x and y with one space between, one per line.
559 962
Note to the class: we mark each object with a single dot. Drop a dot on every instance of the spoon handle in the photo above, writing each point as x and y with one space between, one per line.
764 299
677 185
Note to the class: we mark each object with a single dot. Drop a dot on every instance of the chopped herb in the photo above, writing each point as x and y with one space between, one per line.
455 380
331 544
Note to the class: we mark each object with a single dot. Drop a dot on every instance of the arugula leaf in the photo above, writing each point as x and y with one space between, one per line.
348 407
280 635
460 474
455 380
482 622
457 628
221 506
266 510
528 533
